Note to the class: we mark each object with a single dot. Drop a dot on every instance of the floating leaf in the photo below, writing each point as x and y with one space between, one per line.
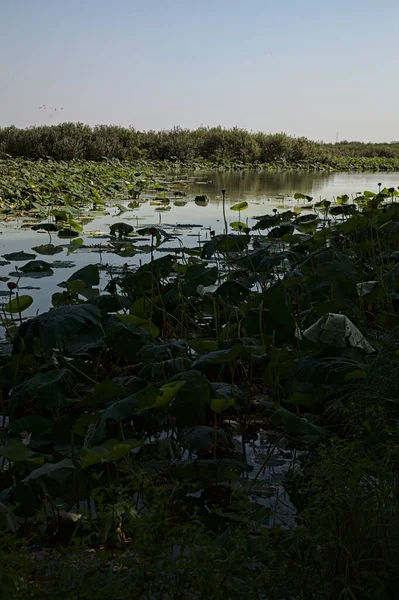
298 196
37 266
48 249
18 304
17 256
240 206
238 225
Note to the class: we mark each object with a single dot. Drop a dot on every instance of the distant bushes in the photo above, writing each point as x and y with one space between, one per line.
362 150
78 141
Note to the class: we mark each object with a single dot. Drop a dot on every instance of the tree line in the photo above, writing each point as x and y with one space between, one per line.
68 141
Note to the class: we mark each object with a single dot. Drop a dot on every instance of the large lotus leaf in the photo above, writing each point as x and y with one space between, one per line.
161 267
145 278
224 243
322 256
342 199
58 472
268 263
89 274
279 314
219 405
58 325
109 451
44 388
328 367
108 303
347 209
227 391
251 260
219 357
166 394
266 221
353 224
15 450
295 425
146 399
91 338
201 346
126 340
232 291
203 290
126 408
307 222
159 352
202 438
131 384
197 275
191 401
339 331
34 425
80 427
280 231
139 322
103 393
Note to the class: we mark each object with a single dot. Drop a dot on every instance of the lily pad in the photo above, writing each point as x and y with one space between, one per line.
35 269
47 249
68 233
16 256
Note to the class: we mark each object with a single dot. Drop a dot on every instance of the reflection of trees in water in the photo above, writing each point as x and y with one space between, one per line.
245 185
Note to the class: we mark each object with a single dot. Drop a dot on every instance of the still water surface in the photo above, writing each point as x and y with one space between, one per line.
260 190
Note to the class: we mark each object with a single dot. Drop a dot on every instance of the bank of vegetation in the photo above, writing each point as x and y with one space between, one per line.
222 147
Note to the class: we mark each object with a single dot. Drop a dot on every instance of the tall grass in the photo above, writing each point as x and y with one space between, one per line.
75 140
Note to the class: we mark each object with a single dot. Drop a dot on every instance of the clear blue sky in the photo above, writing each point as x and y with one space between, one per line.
305 67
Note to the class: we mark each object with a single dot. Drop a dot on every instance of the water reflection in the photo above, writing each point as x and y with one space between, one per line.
255 186
249 185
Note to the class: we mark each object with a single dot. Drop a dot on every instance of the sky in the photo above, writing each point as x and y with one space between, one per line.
305 67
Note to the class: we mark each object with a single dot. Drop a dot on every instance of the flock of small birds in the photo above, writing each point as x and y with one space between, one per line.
50 111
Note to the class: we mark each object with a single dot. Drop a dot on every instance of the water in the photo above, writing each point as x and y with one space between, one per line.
260 190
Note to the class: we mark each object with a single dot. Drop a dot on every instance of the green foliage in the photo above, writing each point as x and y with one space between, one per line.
153 415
